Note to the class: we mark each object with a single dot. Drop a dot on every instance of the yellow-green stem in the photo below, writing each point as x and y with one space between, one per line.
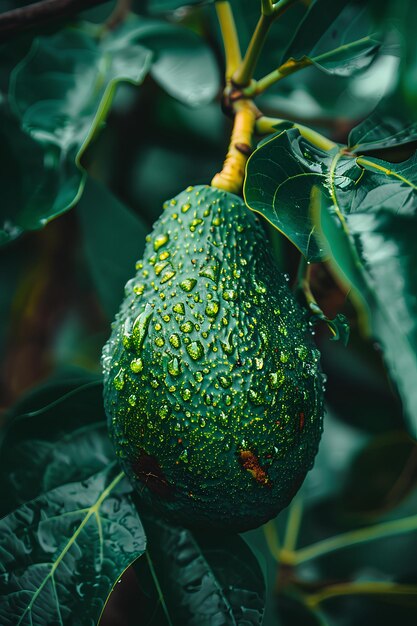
229 37
295 516
245 71
266 125
356 537
363 588
233 172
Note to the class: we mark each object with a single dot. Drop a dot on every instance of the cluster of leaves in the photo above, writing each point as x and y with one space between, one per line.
70 526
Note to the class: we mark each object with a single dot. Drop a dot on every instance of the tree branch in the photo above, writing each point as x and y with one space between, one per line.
18 20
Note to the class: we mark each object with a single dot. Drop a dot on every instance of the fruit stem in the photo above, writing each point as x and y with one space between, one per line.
240 147
229 37
267 125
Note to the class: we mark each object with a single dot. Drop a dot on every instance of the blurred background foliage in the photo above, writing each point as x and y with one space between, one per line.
67 142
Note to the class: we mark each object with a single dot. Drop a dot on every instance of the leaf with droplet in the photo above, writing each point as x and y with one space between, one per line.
279 178
204 577
388 125
63 549
370 230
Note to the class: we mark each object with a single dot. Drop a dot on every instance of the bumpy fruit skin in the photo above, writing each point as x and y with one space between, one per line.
212 384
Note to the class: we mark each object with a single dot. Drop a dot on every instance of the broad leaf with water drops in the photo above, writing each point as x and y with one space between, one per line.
203 578
280 176
63 549
370 229
388 125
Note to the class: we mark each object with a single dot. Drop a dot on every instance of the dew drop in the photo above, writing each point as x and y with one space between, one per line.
212 308
136 366
160 240
140 326
210 271
167 276
174 367
160 266
174 340
225 381
119 379
139 289
187 327
195 350
188 284
179 308
275 379
185 394
229 294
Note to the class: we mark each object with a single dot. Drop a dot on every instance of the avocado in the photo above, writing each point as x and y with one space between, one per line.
213 388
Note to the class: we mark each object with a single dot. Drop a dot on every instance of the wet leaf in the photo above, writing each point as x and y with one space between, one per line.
385 127
280 176
62 552
336 37
58 119
368 211
205 579
76 529
111 259
370 231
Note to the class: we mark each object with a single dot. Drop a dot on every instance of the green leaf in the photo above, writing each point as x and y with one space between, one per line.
61 93
279 179
385 127
319 18
370 230
368 214
111 258
76 529
335 37
62 439
388 483
62 552
183 64
204 578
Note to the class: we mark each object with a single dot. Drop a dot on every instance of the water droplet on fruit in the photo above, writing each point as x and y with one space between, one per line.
212 308
136 366
160 240
188 284
174 367
195 350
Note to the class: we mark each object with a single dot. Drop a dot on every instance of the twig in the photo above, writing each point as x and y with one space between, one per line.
119 14
229 36
40 13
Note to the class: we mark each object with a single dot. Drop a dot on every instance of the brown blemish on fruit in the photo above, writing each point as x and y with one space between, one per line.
147 469
250 462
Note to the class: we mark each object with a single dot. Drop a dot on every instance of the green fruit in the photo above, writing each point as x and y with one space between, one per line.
212 383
